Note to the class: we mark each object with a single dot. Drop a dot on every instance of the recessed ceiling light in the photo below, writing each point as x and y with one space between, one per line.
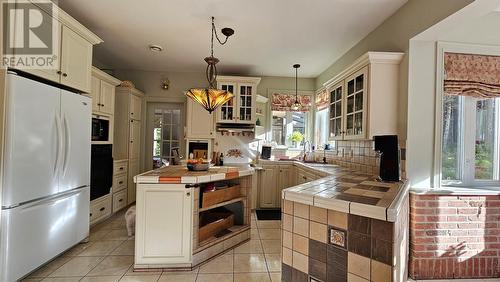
155 48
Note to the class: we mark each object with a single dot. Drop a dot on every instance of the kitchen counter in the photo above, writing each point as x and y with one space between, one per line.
347 190
181 175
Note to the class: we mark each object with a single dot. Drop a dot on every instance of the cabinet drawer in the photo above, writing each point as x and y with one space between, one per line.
100 209
119 182
119 200
120 167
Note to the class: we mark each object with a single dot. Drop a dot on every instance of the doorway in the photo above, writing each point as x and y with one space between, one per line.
164 133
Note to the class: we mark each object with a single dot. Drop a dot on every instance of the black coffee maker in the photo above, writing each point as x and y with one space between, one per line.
387 146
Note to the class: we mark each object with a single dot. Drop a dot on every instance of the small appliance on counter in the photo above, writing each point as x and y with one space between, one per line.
387 146
266 152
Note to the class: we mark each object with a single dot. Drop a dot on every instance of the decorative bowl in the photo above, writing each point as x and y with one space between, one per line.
198 167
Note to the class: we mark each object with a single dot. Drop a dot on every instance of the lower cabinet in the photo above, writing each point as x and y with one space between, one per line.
133 170
100 209
119 200
272 180
166 238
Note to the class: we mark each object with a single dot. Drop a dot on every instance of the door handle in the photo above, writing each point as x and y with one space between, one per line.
59 143
67 147
65 74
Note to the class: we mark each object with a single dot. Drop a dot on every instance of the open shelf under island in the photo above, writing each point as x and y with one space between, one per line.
184 218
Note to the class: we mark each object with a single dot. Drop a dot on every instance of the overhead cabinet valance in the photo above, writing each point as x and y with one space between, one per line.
283 101
472 75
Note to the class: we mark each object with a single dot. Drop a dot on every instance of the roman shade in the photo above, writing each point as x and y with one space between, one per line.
472 75
322 99
283 102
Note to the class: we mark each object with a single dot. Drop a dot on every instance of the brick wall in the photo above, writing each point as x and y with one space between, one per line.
454 236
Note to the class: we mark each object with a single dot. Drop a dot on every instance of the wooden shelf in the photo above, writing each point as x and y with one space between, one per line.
239 199
235 230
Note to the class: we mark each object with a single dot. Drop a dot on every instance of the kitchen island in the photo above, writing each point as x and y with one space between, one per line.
345 226
184 218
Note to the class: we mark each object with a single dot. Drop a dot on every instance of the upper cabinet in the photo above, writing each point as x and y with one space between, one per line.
199 123
241 108
73 52
103 92
364 97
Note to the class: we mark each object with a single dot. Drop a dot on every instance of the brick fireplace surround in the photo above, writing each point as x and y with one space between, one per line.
454 236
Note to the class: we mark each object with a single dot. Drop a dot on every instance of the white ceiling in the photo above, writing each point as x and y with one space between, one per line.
270 35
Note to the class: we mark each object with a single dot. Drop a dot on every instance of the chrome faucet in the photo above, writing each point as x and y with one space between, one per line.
304 150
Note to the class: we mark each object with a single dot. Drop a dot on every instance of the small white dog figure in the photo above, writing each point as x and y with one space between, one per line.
130 219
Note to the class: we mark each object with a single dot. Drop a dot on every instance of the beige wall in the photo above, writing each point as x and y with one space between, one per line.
394 35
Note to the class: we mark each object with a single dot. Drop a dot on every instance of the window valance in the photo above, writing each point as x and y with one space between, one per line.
472 75
322 100
283 102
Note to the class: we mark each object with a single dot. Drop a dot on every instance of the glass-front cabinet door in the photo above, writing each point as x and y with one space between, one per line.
227 112
335 114
246 103
355 105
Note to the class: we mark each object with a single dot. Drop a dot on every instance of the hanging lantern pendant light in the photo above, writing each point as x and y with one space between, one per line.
296 106
211 98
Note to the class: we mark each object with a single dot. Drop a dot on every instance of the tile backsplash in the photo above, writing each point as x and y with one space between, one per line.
357 155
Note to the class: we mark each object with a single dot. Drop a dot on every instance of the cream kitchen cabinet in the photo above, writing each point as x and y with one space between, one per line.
127 137
199 123
167 236
73 52
103 92
241 108
272 180
364 97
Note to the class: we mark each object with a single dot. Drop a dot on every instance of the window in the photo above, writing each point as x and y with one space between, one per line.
321 128
166 135
286 123
470 146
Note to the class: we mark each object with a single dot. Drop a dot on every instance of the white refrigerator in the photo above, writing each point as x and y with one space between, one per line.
45 176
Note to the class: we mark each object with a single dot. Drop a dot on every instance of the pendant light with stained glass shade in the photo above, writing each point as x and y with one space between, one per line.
296 106
211 97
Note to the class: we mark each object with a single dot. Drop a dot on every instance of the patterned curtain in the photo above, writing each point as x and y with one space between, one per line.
322 100
283 102
472 75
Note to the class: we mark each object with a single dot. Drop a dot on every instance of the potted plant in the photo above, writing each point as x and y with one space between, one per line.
296 137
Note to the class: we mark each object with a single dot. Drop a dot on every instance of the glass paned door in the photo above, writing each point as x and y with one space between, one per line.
227 110
166 135
245 103
335 114
354 104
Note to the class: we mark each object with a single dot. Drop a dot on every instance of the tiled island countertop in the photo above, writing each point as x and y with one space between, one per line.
181 175
345 226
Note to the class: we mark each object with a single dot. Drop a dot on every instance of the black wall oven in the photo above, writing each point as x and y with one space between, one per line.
101 170
100 128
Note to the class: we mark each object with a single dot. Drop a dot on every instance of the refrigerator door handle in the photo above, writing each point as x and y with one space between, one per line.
59 144
49 201
67 145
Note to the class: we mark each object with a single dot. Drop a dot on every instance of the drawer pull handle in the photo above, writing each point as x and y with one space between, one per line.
121 200
65 74
121 168
90 214
121 182
103 208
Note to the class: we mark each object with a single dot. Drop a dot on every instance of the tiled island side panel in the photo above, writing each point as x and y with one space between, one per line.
327 245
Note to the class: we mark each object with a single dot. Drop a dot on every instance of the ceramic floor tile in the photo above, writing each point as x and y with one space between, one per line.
222 264
252 277
271 246
116 234
177 277
273 262
275 277
270 233
173 272
77 266
113 265
61 279
254 233
140 278
100 279
214 278
249 263
131 272
98 234
47 269
265 224
31 279
250 247
127 248
100 248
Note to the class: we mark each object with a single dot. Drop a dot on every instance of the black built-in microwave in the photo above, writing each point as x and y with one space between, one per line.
100 128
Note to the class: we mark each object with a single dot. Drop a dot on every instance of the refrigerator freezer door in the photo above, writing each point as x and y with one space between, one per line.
34 233
32 143
76 117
